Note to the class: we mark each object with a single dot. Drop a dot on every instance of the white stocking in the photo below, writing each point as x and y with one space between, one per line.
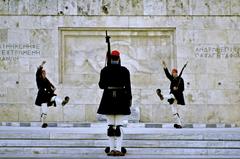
44 111
176 114
115 120
111 139
119 141
57 99
119 121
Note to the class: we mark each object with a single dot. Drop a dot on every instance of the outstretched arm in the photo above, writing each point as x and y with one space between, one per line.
39 70
166 71
43 63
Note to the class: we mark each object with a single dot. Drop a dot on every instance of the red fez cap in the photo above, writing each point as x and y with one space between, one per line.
115 53
174 70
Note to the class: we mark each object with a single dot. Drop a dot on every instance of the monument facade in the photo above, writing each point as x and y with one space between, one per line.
70 36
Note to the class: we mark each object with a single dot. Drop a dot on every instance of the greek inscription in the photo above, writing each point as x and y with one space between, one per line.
223 52
12 52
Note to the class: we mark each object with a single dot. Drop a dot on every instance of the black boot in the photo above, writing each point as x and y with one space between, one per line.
65 101
44 125
177 126
158 91
124 150
107 150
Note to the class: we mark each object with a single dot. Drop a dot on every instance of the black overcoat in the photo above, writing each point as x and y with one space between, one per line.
176 82
117 96
45 89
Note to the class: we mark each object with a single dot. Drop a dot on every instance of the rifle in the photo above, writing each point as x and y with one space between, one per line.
108 61
181 74
182 69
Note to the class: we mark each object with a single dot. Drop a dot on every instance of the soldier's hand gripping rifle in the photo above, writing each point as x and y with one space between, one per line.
108 61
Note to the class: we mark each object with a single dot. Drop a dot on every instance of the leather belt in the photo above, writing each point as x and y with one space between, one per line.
115 87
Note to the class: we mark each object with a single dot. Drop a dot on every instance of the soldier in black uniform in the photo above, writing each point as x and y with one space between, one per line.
46 97
175 97
116 100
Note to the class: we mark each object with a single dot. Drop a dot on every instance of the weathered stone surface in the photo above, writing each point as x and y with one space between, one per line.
155 7
146 113
91 113
46 7
216 113
145 31
235 6
86 7
190 111
120 7
3 35
162 112
178 7
18 36
3 94
74 113
206 36
124 7
211 7
56 114
67 7
29 112
198 96
20 7
4 7
9 112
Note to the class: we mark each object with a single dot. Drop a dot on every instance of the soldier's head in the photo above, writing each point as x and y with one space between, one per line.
115 57
174 72
43 74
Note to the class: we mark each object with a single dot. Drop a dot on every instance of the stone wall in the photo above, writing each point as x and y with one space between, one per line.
69 35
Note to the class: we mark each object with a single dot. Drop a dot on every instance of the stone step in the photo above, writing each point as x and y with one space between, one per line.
230 134
131 151
75 136
148 142
100 124
104 156
127 143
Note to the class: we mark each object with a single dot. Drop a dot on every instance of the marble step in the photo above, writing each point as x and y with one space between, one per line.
77 136
130 124
127 143
229 134
131 151
148 142
104 156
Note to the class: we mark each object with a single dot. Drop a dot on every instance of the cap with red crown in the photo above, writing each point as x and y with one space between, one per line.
115 53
